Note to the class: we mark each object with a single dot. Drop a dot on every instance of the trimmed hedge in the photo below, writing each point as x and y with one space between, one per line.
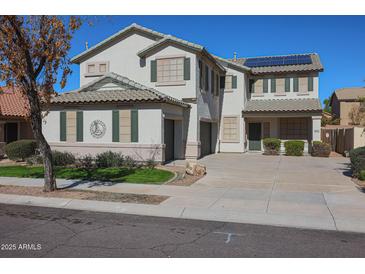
21 149
357 158
294 148
320 149
63 158
271 146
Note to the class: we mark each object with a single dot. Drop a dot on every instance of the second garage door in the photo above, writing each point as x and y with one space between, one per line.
205 138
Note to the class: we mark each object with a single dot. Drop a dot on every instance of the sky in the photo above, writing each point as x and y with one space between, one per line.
339 40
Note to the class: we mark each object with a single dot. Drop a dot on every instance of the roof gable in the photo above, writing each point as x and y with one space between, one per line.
133 28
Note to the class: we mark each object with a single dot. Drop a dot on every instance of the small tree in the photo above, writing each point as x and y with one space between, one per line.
33 51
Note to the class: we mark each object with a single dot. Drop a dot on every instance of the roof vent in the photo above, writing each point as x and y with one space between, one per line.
86 45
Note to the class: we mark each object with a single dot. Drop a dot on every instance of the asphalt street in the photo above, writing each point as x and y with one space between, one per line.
27 231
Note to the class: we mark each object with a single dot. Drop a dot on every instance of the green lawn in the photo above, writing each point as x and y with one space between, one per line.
113 174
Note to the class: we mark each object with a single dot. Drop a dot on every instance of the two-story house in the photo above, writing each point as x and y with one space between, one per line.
152 95
274 96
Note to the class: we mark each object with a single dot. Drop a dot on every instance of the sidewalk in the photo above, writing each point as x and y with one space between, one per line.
228 204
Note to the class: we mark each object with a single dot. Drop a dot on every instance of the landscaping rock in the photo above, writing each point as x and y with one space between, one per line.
195 169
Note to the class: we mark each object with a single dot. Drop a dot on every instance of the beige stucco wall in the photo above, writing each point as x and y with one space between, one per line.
359 137
345 109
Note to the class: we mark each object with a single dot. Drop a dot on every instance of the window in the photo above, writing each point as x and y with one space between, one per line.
310 83
102 68
287 84
230 129
170 70
295 84
273 85
97 68
228 82
265 87
91 68
294 128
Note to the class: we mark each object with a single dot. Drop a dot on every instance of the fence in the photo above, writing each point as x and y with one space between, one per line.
340 139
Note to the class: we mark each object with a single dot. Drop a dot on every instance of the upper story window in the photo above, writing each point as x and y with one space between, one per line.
170 70
230 82
310 83
97 68
251 85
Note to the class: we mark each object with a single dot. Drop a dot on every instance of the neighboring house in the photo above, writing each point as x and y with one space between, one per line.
151 95
343 101
13 114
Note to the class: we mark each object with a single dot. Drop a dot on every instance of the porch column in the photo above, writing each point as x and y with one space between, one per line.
316 128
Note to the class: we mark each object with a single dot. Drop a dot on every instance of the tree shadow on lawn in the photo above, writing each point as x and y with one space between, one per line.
91 178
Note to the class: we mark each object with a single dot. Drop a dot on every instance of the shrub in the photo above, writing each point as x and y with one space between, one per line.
21 149
320 149
109 159
130 163
357 158
151 163
34 160
294 148
362 175
271 146
63 158
86 162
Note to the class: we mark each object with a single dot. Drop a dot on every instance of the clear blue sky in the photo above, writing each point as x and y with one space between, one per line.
339 40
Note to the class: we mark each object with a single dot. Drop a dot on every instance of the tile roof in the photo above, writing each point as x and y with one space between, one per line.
314 66
282 105
127 91
350 94
12 103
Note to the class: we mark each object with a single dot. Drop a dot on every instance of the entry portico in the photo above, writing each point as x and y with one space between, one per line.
286 119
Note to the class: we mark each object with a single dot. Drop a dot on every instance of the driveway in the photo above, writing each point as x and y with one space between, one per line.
303 192
317 190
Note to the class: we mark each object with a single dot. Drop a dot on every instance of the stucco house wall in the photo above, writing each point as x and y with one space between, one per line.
345 110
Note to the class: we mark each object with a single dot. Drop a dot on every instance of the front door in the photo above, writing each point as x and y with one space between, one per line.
169 137
11 132
254 136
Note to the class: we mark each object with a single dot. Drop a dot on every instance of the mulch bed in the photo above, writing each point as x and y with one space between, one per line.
85 195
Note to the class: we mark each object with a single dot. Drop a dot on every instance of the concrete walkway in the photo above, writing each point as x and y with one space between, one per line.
302 192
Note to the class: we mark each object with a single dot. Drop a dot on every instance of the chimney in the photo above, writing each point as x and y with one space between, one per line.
235 56
86 45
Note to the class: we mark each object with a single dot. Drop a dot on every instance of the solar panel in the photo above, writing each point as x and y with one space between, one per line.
278 61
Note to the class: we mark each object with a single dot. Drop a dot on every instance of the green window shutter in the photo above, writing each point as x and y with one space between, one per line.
153 71
287 84
273 85
310 83
212 79
79 126
115 126
187 69
234 81
134 125
222 82
62 126
216 85
295 84
265 87
206 78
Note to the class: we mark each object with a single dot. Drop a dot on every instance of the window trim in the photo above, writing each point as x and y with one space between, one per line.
225 85
237 129
170 83
97 67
